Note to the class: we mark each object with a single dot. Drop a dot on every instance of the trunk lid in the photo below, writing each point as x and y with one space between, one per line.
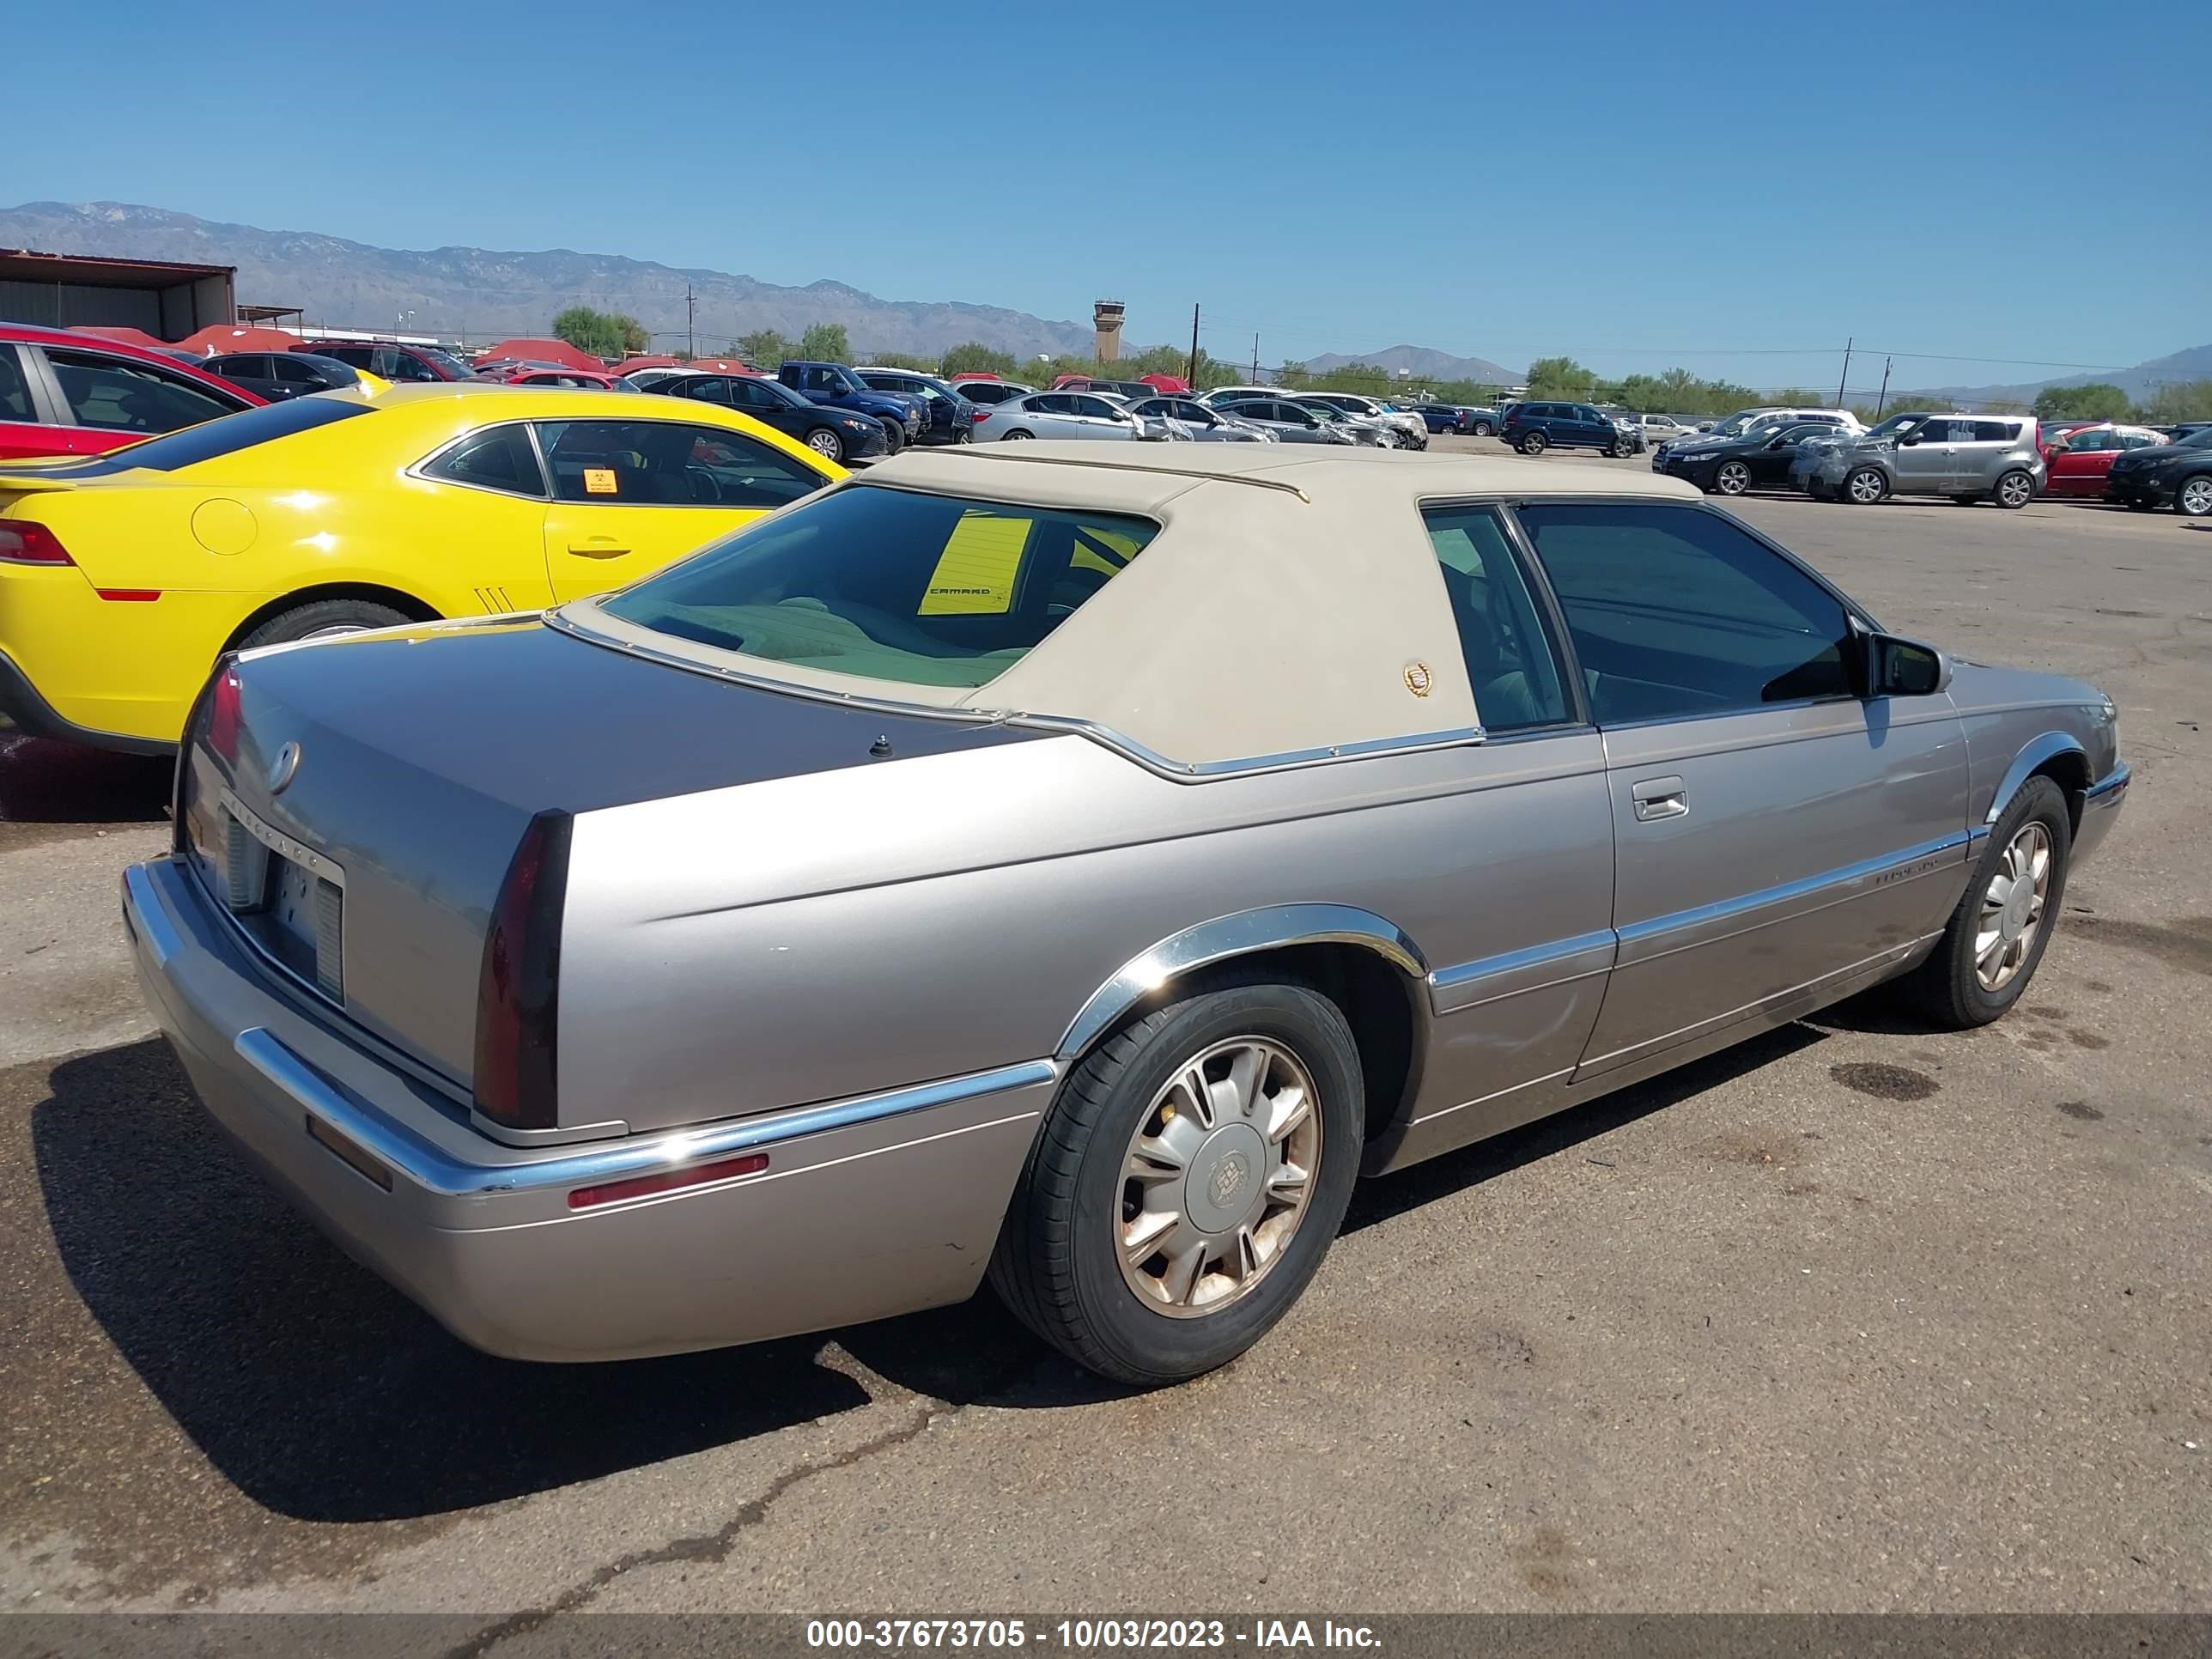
401 769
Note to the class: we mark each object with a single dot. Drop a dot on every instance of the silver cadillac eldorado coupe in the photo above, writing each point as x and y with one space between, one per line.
1073 868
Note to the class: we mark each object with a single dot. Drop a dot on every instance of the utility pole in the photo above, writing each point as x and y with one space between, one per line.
1256 359
1846 374
690 322
1193 376
1884 398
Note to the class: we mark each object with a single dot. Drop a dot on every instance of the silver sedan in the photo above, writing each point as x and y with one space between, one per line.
1211 426
1061 414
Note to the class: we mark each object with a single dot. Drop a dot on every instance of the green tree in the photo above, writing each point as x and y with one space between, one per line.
825 343
973 357
634 335
1293 375
2097 402
601 333
1560 377
902 360
764 347
2183 400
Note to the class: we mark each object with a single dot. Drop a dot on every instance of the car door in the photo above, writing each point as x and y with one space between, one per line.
760 400
1978 449
2079 469
1052 415
488 504
1593 427
1924 458
1519 950
28 426
632 495
1097 418
1769 462
1777 837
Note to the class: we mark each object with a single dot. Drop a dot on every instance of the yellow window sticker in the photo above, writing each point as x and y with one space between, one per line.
599 481
975 575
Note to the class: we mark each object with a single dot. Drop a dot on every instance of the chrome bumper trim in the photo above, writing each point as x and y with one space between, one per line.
143 915
436 1171
2108 790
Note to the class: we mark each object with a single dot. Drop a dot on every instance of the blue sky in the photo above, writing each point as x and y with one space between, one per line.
1736 187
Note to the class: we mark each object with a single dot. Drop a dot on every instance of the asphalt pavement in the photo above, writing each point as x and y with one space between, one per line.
1856 1316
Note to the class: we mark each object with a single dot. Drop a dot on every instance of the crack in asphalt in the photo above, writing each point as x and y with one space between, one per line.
714 1547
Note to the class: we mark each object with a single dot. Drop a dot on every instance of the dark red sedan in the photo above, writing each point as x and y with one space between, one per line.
2077 460
66 393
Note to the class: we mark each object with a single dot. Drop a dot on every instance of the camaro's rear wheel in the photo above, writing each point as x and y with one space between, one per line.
1187 1183
1995 937
323 619
1733 478
1866 486
2015 489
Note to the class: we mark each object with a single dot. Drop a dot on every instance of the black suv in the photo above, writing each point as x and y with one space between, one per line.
2176 475
1533 428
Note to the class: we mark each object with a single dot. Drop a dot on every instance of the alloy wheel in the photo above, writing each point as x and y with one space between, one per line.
823 442
1733 479
2195 498
2015 488
1217 1176
1866 487
2012 907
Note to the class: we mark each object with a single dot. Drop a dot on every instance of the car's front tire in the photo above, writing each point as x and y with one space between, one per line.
894 436
827 443
1997 934
323 619
1866 486
1732 478
1481 429
1187 1183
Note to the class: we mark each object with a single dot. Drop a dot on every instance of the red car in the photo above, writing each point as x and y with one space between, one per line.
66 393
2076 461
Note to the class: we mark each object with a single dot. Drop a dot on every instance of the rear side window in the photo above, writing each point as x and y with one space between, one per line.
126 397
294 372
1675 612
1510 659
1995 432
499 458
891 585
14 393
213 438
669 464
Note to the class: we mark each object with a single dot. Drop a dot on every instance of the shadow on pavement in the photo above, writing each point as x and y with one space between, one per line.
314 1388
44 782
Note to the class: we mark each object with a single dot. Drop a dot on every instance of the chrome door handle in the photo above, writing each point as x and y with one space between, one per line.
1659 797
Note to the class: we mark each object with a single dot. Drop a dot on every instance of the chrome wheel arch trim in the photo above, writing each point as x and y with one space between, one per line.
1224 939
2036 752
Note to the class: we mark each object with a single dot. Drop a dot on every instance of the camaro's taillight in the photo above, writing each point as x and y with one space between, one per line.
517 992
23 542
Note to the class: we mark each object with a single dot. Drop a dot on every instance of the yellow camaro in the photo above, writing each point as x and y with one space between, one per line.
123 579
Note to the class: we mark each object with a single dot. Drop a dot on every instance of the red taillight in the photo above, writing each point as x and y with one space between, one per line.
518 993
223 713
22 542
667 1180
979 414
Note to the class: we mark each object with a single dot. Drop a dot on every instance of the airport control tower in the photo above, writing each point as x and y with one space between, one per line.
1106 317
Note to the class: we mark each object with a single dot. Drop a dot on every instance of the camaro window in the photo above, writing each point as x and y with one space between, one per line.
892 585
1510 658
669 464
212 439
499 458
1675 612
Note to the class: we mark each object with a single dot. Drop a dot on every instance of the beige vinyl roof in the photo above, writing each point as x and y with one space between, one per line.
1291 603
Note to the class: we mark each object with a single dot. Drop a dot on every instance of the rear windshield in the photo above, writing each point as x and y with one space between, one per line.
225 437
891 585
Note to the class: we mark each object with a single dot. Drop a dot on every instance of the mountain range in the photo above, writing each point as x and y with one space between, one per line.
1423 364
487 293
2141 383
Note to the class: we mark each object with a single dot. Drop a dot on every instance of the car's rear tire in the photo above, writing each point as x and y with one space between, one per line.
1995 940
323 619
827 443
1866 486
2015 489
1186 1129
1732 478
1481 429
1532 443
2193 499
1013 433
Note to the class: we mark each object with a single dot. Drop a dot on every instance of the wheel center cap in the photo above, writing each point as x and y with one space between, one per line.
2015 909
1224 1180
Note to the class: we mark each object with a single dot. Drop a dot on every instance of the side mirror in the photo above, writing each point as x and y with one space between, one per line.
1909 437
1891 666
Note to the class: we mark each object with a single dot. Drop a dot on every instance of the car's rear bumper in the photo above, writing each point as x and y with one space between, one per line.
866 1208
35 717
